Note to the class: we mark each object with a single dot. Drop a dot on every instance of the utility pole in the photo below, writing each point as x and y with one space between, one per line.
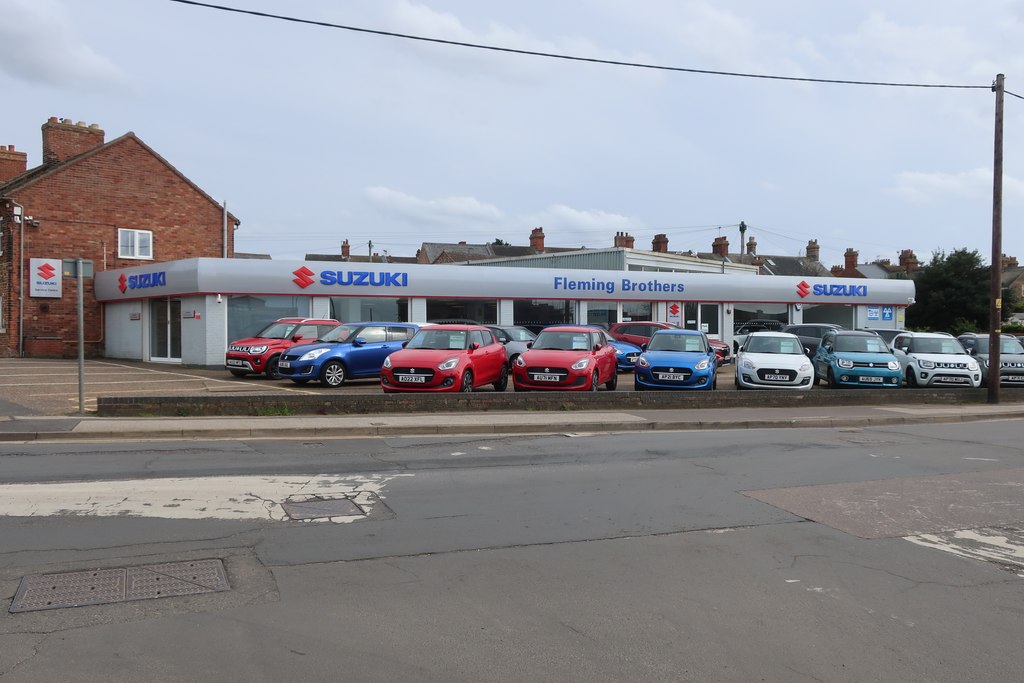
996 314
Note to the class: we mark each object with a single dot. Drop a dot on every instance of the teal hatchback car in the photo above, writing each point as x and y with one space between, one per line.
852 358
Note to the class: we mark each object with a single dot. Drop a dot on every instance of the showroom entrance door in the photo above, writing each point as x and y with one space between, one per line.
165 330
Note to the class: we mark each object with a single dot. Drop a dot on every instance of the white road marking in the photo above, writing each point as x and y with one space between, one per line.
1004 546
984 459
236 498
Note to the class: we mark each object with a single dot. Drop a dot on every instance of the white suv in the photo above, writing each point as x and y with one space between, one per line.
935 359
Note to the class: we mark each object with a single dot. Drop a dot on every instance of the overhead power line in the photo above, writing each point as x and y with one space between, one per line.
574 58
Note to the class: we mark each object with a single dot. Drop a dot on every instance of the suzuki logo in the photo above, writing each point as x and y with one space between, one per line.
46 271
803 289
122 283
303 277
674 309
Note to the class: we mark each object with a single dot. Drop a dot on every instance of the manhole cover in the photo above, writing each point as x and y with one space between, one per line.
106 586
320 508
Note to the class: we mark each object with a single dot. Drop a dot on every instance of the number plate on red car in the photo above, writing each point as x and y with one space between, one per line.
415 379
546 378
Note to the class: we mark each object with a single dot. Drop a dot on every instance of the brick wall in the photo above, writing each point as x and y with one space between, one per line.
79 209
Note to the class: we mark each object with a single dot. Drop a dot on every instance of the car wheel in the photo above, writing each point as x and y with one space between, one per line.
502 382
613 383
466 385
832 383
272 368
912 379
238 373
714 382
333 374
593 381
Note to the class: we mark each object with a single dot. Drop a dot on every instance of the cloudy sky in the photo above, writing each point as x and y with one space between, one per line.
314 135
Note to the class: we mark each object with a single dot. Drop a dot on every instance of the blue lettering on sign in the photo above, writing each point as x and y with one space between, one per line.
363 278
840 290
144 280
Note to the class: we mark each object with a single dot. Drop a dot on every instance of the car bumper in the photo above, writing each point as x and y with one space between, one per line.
748 379
433 380
867 377
698 380
932 378
240 361
299 369
574 381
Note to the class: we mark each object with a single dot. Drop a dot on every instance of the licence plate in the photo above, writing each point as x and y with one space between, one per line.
284 364
671 377
546 378
953 380
777 378
235 361
1013 378
415 379
872 380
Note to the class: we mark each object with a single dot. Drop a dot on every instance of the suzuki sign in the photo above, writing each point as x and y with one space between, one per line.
45 277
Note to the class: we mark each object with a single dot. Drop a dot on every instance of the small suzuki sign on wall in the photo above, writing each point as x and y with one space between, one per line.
45 277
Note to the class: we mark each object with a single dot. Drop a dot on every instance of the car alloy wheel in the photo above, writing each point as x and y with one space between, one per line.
333 374
467 382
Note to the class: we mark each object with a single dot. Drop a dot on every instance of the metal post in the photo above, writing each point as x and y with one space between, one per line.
996 313
81 339
224 220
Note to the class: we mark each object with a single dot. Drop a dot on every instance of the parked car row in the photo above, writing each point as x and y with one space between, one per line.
463 357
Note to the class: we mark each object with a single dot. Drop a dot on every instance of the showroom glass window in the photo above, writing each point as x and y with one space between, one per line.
248 314
537 313
745 312
136 244
355 309
477 310
637 310
602 312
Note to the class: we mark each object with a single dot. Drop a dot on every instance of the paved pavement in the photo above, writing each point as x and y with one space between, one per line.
39 402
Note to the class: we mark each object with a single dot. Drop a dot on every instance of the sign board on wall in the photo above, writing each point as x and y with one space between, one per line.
45 277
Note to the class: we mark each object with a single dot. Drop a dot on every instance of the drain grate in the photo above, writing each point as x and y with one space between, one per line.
106 586
321 507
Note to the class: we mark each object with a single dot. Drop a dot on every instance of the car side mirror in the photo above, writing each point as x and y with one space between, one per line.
405 343
643 347
358 341
296 337
807 351
474 346
597 347
903 349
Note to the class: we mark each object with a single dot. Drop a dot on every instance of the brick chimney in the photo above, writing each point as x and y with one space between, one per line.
537 240
12 162
660 243
346 251
624 239
63 139
908 261
752 247
813 251
1010 262
850 257
837 271
720 247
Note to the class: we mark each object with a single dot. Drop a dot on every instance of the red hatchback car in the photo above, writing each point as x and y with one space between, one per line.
261 352
447 358
566 358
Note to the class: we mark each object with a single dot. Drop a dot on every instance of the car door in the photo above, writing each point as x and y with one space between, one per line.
824 355
485 358
368 350
605 357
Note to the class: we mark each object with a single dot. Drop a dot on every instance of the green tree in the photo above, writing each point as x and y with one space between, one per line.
499 242
953 293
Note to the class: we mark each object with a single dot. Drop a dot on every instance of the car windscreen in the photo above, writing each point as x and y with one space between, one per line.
453 340
341 333
1005 345
846 344
277 331
677 342
943 347
781 345
520 334
562 341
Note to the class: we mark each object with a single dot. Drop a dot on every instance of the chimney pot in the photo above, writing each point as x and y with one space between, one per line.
537 240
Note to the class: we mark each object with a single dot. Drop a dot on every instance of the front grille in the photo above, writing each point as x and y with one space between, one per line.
241 349
685 372
540 370
631 357
951 366
789 375
866 364
1011 364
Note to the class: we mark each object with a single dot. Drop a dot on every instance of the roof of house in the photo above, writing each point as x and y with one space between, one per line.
376 258
447 252
774 264
34 175
1011 274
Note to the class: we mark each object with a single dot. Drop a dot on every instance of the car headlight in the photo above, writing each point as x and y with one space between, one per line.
805 367
520 363
449 364
643 362
926 364
703 365
620 352
894 365
314 354
387 362
972 365
844 363
581 364
258 349
748 365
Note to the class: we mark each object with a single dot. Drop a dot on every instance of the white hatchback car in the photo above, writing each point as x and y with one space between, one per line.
935 359
773 360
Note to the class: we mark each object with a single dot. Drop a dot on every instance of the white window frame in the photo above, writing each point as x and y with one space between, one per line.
129 244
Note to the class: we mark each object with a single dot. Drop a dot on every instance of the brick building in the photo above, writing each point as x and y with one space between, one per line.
116 204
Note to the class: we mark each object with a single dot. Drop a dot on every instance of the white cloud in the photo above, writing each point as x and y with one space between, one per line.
448 211
919 187
39 44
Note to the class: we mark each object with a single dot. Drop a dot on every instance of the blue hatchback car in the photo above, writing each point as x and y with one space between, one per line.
853 358
349 351
676 359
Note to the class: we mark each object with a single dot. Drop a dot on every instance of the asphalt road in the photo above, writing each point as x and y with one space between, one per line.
839 555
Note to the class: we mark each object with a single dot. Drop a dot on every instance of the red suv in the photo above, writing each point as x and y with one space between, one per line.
260 353
639 332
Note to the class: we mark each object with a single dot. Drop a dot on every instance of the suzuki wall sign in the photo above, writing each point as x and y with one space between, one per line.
45 277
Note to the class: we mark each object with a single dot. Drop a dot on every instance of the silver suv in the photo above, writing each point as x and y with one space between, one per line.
935 359
1011 357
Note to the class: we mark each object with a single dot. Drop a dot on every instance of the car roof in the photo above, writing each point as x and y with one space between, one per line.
567 327
855 333
382 322
927 334
458 327
772 333
674 330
